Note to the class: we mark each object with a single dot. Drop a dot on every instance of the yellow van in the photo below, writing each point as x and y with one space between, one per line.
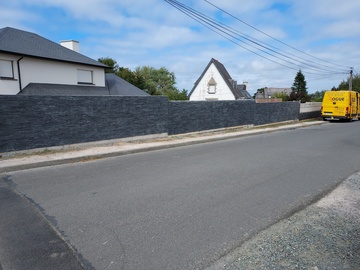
339 105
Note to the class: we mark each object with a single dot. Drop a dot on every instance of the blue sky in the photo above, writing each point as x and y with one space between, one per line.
154 33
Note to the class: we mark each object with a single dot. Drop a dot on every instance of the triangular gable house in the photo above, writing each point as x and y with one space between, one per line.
215 83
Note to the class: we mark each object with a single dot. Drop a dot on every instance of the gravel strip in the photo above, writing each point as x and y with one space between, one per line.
325 235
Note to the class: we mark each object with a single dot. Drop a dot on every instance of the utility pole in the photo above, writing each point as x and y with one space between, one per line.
351 77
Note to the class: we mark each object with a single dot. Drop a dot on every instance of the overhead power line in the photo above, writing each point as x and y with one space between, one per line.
262 32
217 30
255 46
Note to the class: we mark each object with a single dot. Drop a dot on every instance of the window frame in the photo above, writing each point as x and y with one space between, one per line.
84 73
9 69
212 86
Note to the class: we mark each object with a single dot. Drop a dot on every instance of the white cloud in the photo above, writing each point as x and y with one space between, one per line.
343 29
154 33
15 17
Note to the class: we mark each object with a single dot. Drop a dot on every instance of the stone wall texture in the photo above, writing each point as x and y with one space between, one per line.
28 122
194 116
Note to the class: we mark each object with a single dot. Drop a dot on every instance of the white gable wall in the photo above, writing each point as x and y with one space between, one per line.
222 90
35 70
46 71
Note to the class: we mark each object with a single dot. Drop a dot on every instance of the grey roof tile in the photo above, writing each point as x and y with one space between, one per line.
46 89
118 86
114 86
25 43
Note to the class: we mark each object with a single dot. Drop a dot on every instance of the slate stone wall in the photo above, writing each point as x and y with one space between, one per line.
267 113
28 122
194 116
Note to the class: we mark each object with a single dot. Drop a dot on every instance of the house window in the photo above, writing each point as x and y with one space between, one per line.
212 86
6 69
212 89
85 76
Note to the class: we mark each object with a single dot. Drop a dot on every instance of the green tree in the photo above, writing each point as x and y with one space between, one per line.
111 63
160 82
317 96
132 77
177 95
153 81
126 74
344 85
299 89
157 81
283 95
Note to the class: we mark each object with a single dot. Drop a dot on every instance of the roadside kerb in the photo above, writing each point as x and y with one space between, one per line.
98 152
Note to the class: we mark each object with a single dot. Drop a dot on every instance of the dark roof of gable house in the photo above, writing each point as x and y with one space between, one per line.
239 90
244 91
25 43
118 86
114 86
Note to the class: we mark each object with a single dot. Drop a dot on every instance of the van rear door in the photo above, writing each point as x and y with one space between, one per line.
336 104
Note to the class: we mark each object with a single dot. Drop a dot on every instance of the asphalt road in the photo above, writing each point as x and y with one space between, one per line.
183 208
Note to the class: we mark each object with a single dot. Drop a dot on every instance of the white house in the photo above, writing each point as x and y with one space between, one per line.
33 65
215 83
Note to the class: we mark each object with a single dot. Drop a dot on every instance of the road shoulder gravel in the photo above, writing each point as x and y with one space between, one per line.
324 235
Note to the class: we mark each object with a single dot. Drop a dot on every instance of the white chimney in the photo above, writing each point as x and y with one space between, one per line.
71 44
246 85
